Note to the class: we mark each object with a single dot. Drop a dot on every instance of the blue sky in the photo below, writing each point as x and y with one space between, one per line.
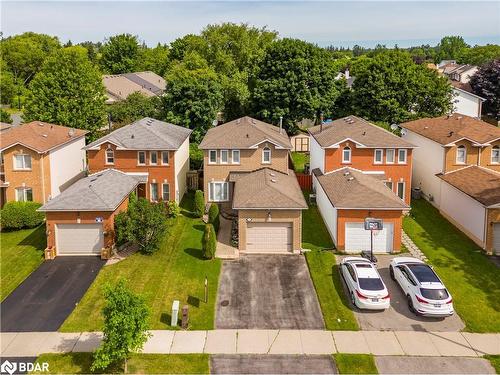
326 22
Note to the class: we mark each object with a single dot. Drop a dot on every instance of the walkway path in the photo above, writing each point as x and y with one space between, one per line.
412 248
411 343
224 249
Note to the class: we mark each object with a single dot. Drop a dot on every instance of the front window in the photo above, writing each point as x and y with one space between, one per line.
218 191
236 157
461 154
22 162
266 155
164 157
212 156
154 192
389 156
153 157
346 155
401 190
141 158
110 156
379 154
402 156
224 156
495 155
165 192
24 194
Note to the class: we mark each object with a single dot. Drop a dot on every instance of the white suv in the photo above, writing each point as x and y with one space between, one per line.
425 292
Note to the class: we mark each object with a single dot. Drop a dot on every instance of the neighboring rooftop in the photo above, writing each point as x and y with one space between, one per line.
454 68
449 129
244 133
350 188
145 134
465 87
102 191
40 136
5 126
357 130
119 86
479 183
267 188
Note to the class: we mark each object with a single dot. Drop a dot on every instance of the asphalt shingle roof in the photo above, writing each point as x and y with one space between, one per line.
146 134
102 191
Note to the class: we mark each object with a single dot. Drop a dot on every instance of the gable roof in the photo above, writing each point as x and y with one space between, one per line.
245 132
457 85
267 188
481 184
145 134
40 136
119 86
357 130
102 191
449 129
350 188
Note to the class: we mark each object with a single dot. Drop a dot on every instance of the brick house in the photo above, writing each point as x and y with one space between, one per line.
458 169
360 170
40 160
247 172
154 149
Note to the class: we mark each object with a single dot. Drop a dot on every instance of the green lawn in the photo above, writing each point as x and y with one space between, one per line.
176 271
495 362
299 159
355 363
79 363
471 278
21 253
324 272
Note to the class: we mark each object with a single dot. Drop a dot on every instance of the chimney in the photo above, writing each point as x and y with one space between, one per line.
346 74
281 124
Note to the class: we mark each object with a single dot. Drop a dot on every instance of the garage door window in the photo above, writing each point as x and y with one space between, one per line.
218 191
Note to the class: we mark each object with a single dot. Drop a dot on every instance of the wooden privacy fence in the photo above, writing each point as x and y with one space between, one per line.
305 181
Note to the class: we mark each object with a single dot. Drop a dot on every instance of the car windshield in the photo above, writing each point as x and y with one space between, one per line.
424 273
435 294
370 283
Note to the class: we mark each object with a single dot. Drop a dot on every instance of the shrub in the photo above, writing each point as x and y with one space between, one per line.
173 209
122 228
18 215
213 216
209 242
199 203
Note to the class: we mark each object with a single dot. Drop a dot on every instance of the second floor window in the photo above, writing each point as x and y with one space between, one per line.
402 156
346 155
389 156
266 155
153 155
24 194
236 157
495 155
224 156
212 156
379 155
110 156
164 157
22 161
141 158
461 155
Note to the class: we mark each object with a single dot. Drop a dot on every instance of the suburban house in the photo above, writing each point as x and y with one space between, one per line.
457 167
80 221
156 150
361 170
458 72
247 172
39 160
119 86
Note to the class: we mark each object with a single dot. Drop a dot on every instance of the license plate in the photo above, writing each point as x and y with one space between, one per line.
374 299
437 305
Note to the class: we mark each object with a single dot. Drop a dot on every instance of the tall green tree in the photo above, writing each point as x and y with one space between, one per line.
5 116
68 91
450 47
390 87
296 80
120 54
486 83
154 59
479 55
7 84
134 107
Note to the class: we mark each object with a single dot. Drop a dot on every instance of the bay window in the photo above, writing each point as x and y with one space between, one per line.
218 191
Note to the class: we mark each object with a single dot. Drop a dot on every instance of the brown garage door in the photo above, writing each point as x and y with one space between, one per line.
269 237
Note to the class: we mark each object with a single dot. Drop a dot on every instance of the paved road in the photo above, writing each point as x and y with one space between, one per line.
45 299
267 292
433 365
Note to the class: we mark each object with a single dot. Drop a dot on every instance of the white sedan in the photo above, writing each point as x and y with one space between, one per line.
425 292
366 288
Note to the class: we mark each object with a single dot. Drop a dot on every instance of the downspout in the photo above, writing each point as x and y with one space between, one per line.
43 177
485 230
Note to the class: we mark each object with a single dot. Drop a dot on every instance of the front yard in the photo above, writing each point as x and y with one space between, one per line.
176 271
21 253
471 278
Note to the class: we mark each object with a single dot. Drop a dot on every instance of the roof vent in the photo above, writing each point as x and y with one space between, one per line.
426 127
44 135
40 124
459 117
346 173
273 180
350 179
272 174
451 133
364 133
248 136
71 132
132 136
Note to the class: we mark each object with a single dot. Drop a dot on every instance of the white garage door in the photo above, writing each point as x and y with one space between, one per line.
269 237
358 239
79 239
496 238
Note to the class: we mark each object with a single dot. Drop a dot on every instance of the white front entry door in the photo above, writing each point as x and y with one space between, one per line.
358 239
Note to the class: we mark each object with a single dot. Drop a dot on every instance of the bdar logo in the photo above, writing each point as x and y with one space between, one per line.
8 367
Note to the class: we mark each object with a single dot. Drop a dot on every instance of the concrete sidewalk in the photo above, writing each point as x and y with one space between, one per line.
450 344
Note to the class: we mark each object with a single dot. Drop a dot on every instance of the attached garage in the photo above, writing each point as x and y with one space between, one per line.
79 239
269 237
358 239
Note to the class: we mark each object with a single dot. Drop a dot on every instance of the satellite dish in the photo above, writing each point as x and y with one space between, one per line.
403 131
394 126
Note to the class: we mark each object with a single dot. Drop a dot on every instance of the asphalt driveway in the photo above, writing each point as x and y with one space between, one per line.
267 292
45 299
398 317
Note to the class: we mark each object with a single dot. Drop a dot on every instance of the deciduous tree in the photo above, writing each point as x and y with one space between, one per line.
134 107
120 53
486 83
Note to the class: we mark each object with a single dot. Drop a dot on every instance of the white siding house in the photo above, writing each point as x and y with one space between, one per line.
181 163
317 156
467 103
326 209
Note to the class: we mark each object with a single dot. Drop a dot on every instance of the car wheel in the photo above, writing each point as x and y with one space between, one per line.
391 273
353 299
410 304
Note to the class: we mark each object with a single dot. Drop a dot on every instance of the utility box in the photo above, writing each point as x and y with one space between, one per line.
175 313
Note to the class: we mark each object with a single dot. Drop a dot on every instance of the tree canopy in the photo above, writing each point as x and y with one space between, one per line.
486 83
450 48
120 54
134 107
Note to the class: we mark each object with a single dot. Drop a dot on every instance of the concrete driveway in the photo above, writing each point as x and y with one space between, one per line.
267 292
272 364
433 365
45 299
398 317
